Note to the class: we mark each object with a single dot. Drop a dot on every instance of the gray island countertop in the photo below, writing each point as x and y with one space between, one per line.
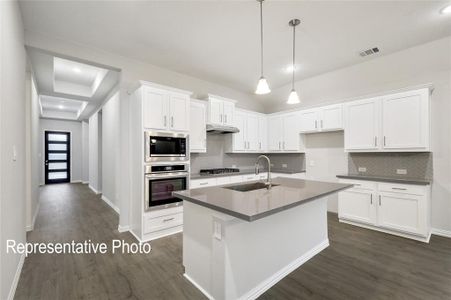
257 204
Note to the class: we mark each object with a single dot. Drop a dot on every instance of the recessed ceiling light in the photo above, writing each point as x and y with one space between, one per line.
446 10
76 70
60 106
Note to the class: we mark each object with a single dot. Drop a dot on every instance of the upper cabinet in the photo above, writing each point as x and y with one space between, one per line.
220 110
197 131
326 118
252 134
284 133
165 108
392 123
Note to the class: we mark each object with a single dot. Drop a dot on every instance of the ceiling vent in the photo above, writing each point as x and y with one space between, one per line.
370 51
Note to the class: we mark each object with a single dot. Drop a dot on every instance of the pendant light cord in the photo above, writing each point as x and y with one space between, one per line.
261 37
294 44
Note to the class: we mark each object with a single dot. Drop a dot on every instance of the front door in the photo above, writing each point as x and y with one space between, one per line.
57 157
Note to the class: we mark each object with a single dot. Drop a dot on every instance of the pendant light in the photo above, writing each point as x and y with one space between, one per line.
262 86
293 98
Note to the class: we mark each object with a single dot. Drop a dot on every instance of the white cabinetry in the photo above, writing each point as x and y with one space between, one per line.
252 135
197 132
326 118
220 110
165 108
396 122
400 209
283 133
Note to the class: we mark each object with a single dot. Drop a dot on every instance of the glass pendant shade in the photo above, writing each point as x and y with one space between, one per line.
262 87
293 98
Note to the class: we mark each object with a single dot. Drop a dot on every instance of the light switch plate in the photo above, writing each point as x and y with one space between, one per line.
233 166
312 163
362 169
284 166
401 171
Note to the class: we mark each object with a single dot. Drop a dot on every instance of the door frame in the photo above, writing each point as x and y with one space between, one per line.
43 153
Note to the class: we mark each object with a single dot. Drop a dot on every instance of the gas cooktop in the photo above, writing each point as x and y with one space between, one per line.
218 171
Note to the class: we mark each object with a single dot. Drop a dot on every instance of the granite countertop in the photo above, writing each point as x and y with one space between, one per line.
245 172
256 204
417 181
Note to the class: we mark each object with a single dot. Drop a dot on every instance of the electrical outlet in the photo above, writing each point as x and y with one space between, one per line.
233 166
284 166
401 171
312 163
362 169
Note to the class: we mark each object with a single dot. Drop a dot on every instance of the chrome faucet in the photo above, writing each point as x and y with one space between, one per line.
257 170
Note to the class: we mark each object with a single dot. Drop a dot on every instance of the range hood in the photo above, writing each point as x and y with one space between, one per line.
221 129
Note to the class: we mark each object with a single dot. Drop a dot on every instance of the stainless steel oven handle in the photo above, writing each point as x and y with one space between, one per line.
167 175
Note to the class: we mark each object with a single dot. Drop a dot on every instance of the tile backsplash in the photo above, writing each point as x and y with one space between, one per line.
217 158
414 165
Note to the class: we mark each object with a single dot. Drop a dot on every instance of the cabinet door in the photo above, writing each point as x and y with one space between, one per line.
239 138
309 121
291 134
357 205
197 132
215 111
405 120
155 109
228 112
252 133
275 133
179 112
331 118
362 125
402 212
262 133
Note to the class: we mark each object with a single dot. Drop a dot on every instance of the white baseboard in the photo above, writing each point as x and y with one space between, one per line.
75 181
85 182
13 288
31 226
206 294
271 281
441 232
123 228
110 203
93 189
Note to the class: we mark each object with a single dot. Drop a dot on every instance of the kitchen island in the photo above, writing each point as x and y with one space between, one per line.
239 240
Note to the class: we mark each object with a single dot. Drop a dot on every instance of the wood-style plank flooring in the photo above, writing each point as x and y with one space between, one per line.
359 264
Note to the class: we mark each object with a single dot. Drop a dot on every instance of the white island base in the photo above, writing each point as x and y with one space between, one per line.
229 258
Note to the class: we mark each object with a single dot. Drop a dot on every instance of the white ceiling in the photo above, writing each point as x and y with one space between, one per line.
82 86
219 40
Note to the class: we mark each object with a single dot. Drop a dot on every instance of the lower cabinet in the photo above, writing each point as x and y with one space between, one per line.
394 208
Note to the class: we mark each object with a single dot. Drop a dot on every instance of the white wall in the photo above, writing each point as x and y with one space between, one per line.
85 151
12 136
427 63
94 152
110 149
74 127
32 152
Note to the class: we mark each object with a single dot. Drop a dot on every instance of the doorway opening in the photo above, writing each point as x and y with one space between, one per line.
57 157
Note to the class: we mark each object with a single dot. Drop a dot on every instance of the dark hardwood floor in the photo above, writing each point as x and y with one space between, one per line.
359 264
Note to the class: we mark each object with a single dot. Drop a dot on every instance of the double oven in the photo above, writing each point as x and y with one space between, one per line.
166 168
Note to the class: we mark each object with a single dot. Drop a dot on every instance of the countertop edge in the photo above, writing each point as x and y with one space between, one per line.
386 179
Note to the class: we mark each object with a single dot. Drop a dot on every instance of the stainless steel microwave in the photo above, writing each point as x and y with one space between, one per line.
166 146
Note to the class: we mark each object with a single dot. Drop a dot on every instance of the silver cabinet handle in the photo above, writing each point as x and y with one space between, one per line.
225 118
172 121
371 199
321 124
399 189
316 124
203 183
283 145
384 140
375 141
165 118
169 219
279 145
260 145
220 117
379 200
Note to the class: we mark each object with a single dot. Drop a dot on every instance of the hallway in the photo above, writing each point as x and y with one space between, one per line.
359 263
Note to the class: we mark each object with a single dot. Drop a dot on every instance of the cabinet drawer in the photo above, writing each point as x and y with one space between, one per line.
250 177
403 188
164 222
235 179
222 180
360 184
198 183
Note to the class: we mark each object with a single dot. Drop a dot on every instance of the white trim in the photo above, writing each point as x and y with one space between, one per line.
12 291
110 203
271 281
93 189
121 228
397 233
206 294
85 182
441 232
76 181
31 226
164 87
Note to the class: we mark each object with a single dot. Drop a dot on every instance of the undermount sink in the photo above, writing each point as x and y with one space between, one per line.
248 186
